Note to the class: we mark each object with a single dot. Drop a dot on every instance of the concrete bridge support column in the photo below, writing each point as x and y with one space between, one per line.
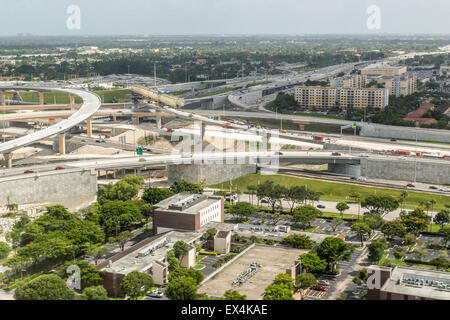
51 121
89 127
41 98
114 117
3 99
62 143
8 159
158 121
136 120
71 99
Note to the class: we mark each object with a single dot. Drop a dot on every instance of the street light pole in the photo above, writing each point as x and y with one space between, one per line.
415 158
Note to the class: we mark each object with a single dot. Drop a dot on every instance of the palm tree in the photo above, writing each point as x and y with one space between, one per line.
403 197
432 203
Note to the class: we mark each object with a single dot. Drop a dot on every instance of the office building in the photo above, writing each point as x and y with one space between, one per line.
187 212
407 283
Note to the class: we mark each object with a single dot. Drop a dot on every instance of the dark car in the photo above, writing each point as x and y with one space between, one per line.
336 154
28 171
409 185
393 139
321 206
433 187
59 168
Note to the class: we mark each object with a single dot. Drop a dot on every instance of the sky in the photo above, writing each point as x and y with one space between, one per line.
194 17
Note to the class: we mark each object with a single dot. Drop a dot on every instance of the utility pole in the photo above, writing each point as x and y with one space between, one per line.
154 72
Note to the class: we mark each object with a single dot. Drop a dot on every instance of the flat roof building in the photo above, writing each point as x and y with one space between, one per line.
149 256
380 70
408 283
187 212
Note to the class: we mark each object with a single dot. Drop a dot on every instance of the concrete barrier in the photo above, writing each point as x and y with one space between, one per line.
407 170
408 133
48 186
209 173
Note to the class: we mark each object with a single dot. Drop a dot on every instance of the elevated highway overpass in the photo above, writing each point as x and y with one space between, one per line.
91 103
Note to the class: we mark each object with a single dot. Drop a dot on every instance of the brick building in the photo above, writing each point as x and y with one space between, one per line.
187 212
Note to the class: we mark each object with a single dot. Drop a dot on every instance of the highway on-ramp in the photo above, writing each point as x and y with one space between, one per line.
91 103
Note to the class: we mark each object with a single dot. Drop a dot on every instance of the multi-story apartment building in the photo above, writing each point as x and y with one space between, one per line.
349 81
376 98
316 98
325 98
399 85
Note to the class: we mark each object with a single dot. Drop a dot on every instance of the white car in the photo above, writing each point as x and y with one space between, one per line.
156 294
323 283
362 178
364 155
444 189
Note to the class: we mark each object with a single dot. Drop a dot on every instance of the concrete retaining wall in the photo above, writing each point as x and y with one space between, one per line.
347 169
404 170
48 186
212 173
409 133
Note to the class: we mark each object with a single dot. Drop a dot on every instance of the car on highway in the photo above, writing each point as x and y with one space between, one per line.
433 187
336 154
444 189
59 168
362 178
28 171
402 158
321 206
393 139
410 185
364 155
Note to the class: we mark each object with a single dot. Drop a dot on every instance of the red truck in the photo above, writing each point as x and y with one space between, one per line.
319 138
403 152
226 125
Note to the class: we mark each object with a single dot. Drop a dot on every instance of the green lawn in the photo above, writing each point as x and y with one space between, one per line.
215 92
303 70
199 266
258 84
334 191
199 257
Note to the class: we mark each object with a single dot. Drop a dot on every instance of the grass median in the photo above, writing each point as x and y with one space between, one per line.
334 191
